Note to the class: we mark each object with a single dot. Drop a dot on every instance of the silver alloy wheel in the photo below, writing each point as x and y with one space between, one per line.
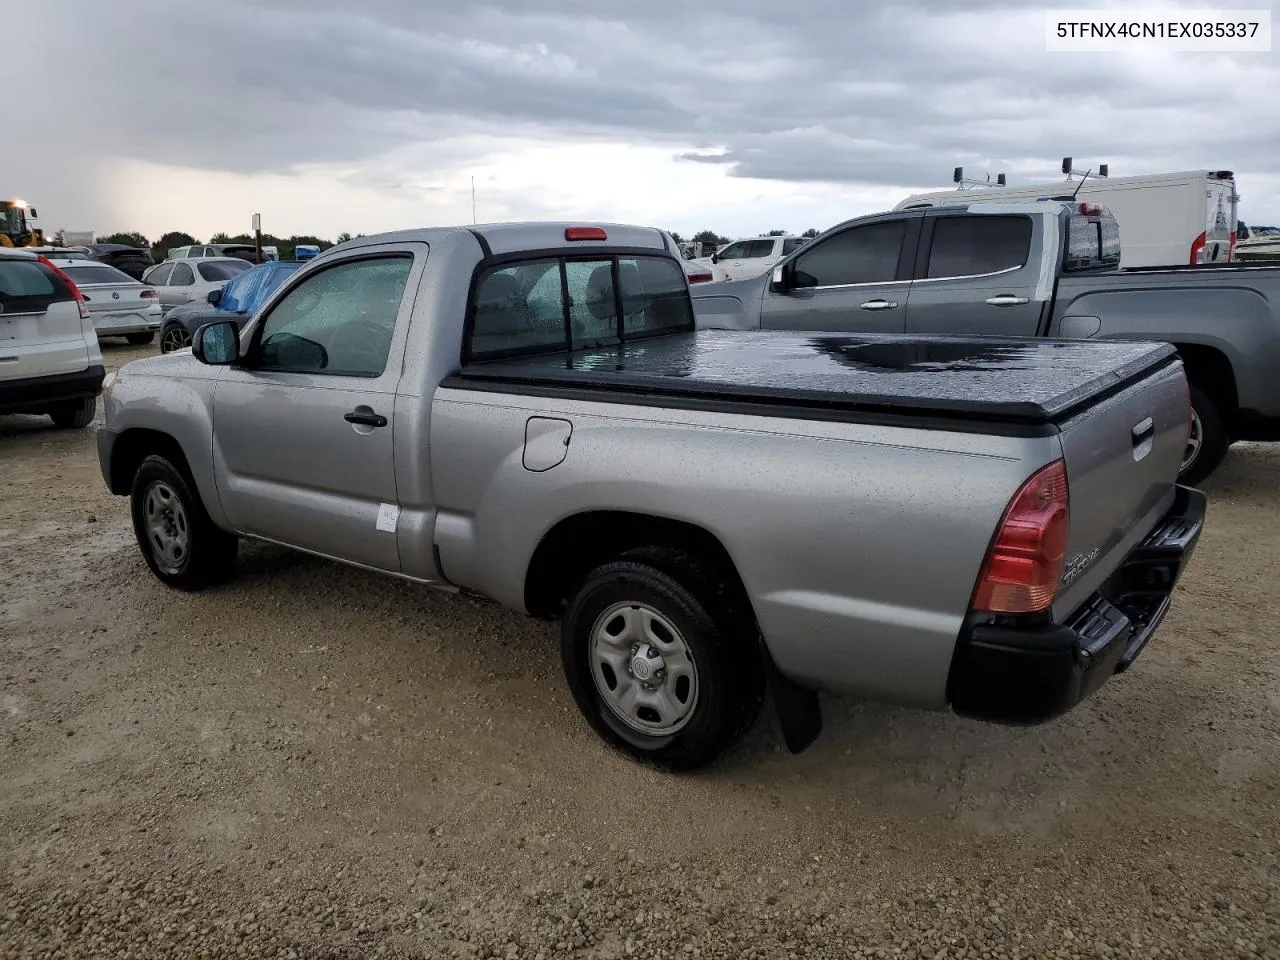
175 338
166 524
643 669
1195 441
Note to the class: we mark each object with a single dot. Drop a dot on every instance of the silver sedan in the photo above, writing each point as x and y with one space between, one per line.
181 281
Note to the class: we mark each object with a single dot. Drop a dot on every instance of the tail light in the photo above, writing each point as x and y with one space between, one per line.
1197 248
80 298
1090 210
148 294
585 233
1024 563
700 277
1231 248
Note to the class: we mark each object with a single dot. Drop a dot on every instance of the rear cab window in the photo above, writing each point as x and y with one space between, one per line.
574 302
1093 243
29 286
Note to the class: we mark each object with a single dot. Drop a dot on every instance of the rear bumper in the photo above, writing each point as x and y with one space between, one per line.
1019 673
37 394
123 324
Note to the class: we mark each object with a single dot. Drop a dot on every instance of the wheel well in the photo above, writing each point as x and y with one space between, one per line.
1210 370
577 545
134 446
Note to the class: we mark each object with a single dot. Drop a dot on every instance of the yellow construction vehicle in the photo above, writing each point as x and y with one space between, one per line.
17 228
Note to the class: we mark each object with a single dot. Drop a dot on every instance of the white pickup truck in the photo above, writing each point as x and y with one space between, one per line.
525 411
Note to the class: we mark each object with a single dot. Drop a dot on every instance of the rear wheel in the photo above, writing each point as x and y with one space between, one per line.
180 543
1207 443
74 413
174 337
138 339
658 663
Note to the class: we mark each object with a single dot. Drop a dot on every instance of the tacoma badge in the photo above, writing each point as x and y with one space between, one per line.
1077 565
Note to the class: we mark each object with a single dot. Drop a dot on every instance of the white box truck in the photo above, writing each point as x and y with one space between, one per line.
1166 219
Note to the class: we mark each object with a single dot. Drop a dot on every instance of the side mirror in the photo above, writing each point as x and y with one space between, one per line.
215 296
217 344
779 282
31 212
715 258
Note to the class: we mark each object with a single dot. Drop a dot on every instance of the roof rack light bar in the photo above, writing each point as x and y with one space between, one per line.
958 178
1069 170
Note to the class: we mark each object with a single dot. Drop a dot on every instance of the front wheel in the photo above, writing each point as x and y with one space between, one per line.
658 665
179 542
1207 443
140 339
174 337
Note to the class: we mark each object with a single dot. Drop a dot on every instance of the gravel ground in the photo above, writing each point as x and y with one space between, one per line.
315 762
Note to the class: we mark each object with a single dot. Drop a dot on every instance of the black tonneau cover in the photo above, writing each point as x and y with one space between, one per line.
1002 379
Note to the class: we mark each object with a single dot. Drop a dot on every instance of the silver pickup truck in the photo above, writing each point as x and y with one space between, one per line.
1047 269
526 412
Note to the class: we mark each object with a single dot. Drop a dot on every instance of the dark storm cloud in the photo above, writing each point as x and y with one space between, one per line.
813 90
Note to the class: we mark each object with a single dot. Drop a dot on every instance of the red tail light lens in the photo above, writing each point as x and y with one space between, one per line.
700 277
148 294
1196 248
80 298
585 233
1025 560
1091 209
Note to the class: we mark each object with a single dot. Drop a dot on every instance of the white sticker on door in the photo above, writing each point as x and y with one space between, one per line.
388 517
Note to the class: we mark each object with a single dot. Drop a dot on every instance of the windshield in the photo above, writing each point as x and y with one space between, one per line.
10 219
98 273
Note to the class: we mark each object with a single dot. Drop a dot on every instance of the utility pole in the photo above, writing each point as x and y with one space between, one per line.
257 237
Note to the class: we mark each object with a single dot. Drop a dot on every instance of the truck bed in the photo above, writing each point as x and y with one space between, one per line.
993 380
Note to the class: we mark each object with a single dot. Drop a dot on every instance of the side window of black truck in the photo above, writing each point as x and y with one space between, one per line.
866 254
969 246
565 303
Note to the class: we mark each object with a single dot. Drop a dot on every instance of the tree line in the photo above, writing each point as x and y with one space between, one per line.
287 245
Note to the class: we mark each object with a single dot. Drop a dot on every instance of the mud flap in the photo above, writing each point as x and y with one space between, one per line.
798 711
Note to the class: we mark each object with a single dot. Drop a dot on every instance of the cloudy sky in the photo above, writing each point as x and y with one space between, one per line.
741 116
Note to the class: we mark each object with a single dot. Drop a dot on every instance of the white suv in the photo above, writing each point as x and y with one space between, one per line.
744 259
50 362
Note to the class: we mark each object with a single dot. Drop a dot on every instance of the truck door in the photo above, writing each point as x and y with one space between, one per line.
980 274
855 280
302 430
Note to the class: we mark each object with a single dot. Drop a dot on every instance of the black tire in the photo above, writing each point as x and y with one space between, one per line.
1213 440
173 337
722 642
209 554
74 414
139 339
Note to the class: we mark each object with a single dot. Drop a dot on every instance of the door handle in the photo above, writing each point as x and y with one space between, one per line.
365 417
1006 300
879 305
